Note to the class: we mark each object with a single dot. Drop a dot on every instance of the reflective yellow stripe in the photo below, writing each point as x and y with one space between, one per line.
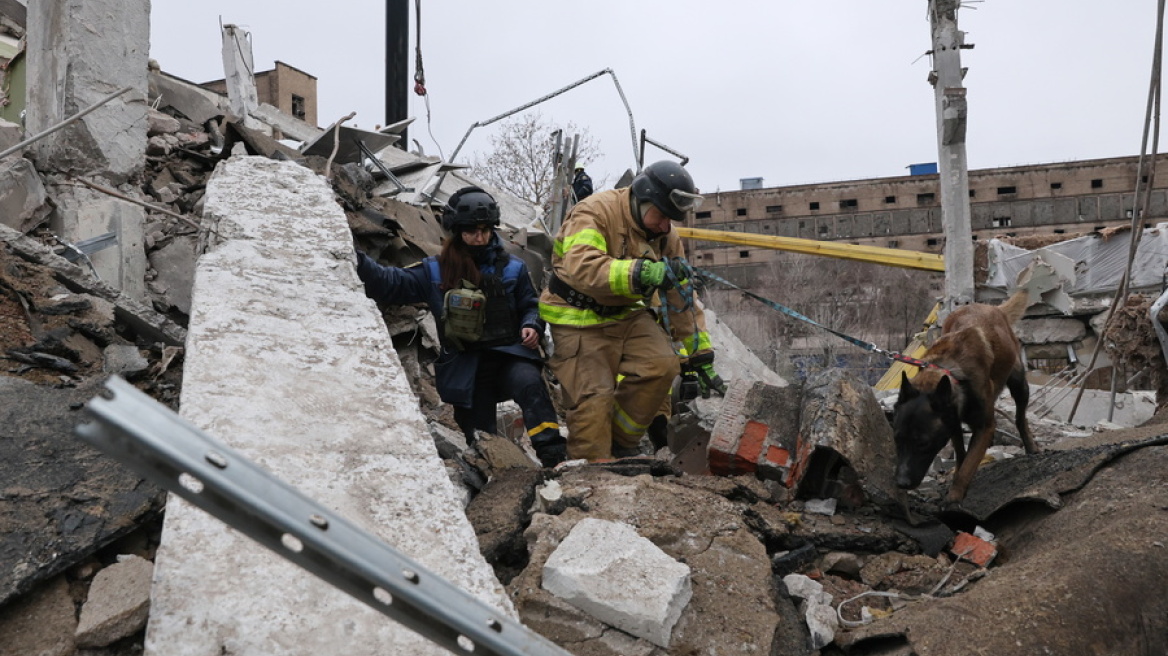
626 423
542 427
700 343
570 316
586 237
620 278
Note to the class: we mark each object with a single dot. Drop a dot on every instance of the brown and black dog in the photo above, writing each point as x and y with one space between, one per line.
975 357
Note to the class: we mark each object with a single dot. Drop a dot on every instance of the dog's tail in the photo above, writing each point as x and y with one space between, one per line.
1015 306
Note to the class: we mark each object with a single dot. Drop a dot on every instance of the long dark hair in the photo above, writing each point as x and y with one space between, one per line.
455 264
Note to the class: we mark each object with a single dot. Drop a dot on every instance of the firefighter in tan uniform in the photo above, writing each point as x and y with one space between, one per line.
609 261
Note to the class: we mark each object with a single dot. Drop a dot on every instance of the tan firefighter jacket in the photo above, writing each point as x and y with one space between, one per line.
595 254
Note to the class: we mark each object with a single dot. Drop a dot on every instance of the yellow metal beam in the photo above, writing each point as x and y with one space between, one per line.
916 349
875 254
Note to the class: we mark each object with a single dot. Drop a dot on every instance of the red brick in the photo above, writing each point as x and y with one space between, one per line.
778 456
753 438
974 549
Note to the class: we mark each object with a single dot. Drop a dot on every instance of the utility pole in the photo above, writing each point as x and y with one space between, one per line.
946 78
397 77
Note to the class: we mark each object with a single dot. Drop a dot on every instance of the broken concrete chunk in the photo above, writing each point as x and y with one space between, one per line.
501 453
499 512
175 265
609 571
818 612
1048 330
548 497
23 199
118 604
756 431
841 419
10 135
841 562
41 623
802 587
124 359
820 506
822 622
159 123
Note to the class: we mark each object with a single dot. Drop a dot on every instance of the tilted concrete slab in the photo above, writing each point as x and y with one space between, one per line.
289 363
79 52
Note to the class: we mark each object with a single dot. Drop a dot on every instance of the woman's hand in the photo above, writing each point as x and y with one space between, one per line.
530 338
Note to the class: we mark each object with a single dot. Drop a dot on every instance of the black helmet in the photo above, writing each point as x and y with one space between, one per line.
470 206
669 187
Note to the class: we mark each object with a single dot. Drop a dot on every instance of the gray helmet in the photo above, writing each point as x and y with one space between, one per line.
470 206
669 187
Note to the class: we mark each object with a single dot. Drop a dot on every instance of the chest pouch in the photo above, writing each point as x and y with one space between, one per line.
464 315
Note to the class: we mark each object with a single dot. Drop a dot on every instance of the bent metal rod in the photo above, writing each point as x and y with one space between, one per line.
166 449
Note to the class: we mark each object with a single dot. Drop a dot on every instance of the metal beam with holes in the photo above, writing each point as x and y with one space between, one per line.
166 449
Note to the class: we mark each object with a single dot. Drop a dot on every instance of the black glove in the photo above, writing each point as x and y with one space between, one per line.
709 380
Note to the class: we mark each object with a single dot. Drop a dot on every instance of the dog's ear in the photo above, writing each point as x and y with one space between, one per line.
907 391
942 395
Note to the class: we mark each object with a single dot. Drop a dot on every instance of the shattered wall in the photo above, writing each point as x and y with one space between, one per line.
289 363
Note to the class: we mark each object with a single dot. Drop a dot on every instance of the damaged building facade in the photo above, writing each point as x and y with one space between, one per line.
1065 198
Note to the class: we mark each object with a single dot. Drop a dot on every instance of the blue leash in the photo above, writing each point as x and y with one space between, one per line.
899 357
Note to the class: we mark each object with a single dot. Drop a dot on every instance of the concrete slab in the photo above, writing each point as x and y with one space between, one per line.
84 214
609 571
289 363
79 51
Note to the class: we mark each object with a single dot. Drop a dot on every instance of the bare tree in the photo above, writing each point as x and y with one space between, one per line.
522 153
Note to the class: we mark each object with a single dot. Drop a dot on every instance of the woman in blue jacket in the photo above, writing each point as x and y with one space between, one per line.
488 317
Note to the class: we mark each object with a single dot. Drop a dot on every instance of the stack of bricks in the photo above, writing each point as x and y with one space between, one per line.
757 432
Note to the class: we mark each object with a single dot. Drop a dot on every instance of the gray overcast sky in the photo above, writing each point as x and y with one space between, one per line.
793 91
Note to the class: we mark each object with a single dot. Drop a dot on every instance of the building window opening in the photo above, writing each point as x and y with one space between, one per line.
823 230
1059 231
298 107
703 215
814 204
972 193
1002 191
774 209
931 242
849 204
743 254
890 200
1055 186
741 211
926 199
1001 222
892 243
1097 183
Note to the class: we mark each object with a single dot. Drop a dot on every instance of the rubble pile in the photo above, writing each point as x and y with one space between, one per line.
1131 339
771 524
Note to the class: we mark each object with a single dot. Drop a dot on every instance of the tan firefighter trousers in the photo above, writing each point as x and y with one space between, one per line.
600 410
